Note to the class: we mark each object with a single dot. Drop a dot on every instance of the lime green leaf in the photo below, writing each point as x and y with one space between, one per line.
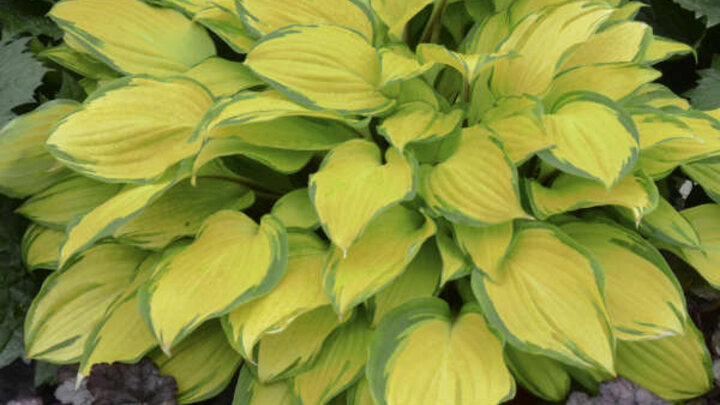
79 62
59 204
281 160
203 364
108 216
158 119
398 64
656 127
72 301
226 25
664 48
321 66
420 279
299 292
288 133
249 391
540 41
291 350
223 77
707 174
477 184
338 365
264 17
547 286
675 368
620 42
134 37
541 375
706 221
181 210
583 124
454 264
517 122
41 247
25 166
487 246
619 80
353 186
233 241
418 355
665 224
636 192
121 334
644 299
471 66
360 394
295 210
397 13
418 121
379 256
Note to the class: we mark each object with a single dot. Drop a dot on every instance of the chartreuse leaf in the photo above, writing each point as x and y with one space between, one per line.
203 364
353 186
281 160
420 355
454 264
664 48
547 286
418 121
540 41
25 166
223 77
263 17
360 394
707 174
398 64
121 334
181 210
158 117
657 126
616 43
517 122
289 351
249 391
299 292
60 203
134 37
339 364
644 299
321 66
477 184
487 246
420 279
636 192
626 78
188 6
471 66
233 241
396 13
665 224
296 211
581 125
379 256
226 25
109 216
79 62
250 107
675 367
53 329
41 247
288 133
541 375
706 221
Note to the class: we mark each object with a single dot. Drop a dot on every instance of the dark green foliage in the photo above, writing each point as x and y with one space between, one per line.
20 75
706 96
709 9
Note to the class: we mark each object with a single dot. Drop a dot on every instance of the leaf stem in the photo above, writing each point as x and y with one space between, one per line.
431 32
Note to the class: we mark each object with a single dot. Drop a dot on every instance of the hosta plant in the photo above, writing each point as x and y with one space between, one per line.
371 201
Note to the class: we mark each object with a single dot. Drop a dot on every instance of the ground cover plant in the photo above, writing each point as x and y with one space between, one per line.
384 202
